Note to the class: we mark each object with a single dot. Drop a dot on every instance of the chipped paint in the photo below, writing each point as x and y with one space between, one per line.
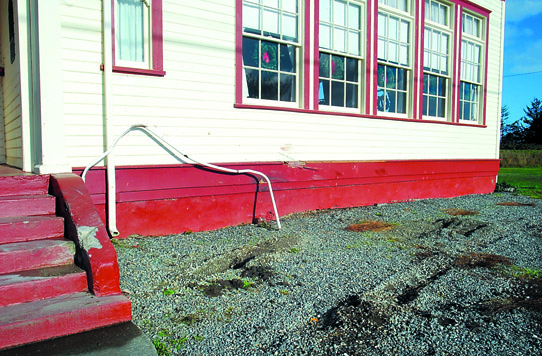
87 237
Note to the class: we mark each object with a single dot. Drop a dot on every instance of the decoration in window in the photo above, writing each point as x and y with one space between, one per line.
270 46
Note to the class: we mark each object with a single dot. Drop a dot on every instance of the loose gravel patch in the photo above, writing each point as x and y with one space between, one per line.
436 281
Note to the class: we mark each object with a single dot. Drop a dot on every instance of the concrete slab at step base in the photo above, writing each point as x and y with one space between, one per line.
121 339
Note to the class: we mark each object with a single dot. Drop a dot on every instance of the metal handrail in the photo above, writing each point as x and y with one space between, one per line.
209 165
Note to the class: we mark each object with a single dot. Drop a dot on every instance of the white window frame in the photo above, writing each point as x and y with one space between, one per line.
298 74
445 28
476 39
346 54
403 16
147 39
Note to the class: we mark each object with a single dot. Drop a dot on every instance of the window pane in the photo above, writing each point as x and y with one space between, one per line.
403 55
269 55
251 55
323 92
287 87
339 39
354 43
337 67
441 87
432 106
351 96
324 65
391 80
425 83
287 58
393 55
130 33
402 79
404 31
425 105
354 15
325 36
351 70
337 94
381 75
391 102
339 13
434 12
271 22
270 85
401 103
382 54
251 17
393 29
433 85
443 15
253 83
382 25
290 5
289 27
325 10
441 107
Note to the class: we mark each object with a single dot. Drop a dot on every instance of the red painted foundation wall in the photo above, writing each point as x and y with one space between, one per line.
161 200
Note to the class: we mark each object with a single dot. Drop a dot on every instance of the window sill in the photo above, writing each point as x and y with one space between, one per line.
137 71
335 113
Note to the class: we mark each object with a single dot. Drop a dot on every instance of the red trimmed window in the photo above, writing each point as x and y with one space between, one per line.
271 52
471 85
137 37
394 73
341 56
437 62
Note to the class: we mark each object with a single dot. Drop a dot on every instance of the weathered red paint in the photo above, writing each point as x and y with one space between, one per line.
15 182
27 228
22 256
155 200
75 205
32 285
64 315
26 205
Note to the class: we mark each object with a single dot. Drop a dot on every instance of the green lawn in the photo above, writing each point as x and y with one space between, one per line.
527 180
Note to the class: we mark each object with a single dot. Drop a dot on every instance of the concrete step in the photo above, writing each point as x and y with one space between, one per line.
42 283
24 205
27 228
21 256
121 339
69 314
18 183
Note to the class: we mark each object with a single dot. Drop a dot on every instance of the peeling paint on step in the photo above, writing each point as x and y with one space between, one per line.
87 237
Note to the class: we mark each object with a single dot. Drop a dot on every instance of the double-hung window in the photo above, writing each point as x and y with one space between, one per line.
436 60
137 42
271 51
394 56
471 68
341 53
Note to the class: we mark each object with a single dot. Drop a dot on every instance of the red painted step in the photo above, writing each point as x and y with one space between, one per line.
18 183
27 228
64 315
22 256
26 205
32 285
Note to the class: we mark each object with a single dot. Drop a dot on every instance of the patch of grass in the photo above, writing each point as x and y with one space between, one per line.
293 250
247 284
170 291
161 348
284 292
179 343
525 273
527 180
198 338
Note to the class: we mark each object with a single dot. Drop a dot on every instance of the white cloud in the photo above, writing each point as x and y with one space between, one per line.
519 10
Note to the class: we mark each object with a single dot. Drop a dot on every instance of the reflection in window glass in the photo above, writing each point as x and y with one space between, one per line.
340 58
392 87
270 46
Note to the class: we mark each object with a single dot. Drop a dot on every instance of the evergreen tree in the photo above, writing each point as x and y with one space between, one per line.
533 120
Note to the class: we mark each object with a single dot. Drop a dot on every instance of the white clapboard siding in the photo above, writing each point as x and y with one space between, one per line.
11 142
193 104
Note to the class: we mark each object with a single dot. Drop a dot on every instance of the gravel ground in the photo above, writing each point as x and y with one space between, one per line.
453 276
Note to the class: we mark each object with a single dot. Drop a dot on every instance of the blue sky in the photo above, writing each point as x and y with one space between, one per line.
522 54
